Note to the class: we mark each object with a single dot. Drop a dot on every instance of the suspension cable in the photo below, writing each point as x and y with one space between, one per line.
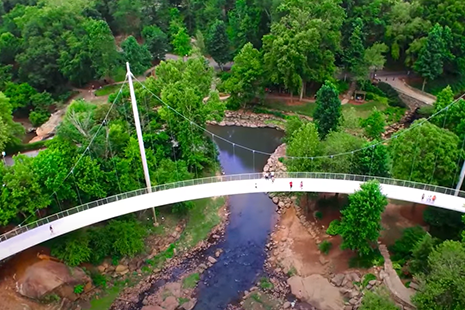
301 157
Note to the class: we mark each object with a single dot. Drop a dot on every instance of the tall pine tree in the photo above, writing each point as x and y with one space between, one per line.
328 109
218 43
430 61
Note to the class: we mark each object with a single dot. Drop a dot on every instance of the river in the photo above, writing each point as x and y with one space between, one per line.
251 220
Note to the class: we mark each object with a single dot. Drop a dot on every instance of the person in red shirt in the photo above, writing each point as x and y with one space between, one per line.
290 184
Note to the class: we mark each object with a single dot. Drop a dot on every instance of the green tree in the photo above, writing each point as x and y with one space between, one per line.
433 154
327 114
361 220
10 131
420 252
72 248
313 40
373 159
454 117
244 26
246 76
355 53
217 43
430 61
444 224
443 287
131 242
20 95
156 41
374 124
374 58
9 47
137 55
181 42
293 124
337 142
303 143
22 193
127 15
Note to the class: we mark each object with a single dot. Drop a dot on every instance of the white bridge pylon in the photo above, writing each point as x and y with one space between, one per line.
35 233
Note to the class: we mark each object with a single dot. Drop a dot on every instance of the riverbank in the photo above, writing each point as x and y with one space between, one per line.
316 279
202 231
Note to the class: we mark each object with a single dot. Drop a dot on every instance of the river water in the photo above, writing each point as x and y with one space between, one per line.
251 220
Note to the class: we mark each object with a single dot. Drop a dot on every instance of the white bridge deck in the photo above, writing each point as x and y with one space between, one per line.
64 222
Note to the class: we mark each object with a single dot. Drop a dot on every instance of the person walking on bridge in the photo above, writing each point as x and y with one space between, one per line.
290 184
51 230
301 185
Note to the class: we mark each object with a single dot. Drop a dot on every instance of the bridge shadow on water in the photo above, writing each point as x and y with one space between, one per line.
251 220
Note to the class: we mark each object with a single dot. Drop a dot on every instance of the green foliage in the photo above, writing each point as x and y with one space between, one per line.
453 117
373 159
442 288
260 110
303 143
425 144
72 248
78 289
367 278
137 55
339 142
444 224
355 53
373 258
361 220
191 280
374 124
420 252
328 111
38 118
246 76
10 132
333 228
156 41
131 242
265 283
319 215
99 280
217 42
403 247
378 300
430 62
325 247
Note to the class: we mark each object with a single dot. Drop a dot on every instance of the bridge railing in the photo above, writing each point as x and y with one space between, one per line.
225 178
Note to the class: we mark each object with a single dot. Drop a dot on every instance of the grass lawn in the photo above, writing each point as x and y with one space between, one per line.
107 90
308 108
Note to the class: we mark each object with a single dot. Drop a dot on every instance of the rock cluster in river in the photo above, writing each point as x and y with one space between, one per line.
403 123
245 118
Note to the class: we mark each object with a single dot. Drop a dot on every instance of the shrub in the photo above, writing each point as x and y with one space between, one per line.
325 246
367 278
333 228
260 110
126 236
73 248
378 300
392 94
374 258
342 86
292 271
265 284
99 280
78 289
319 215
403 247
394 114
39 117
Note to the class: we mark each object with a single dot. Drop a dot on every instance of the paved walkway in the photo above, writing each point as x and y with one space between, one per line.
402 87
398 290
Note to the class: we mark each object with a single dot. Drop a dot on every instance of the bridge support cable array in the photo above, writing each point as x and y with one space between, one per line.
69 220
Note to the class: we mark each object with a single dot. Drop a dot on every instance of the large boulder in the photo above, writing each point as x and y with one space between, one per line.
48 277
317 291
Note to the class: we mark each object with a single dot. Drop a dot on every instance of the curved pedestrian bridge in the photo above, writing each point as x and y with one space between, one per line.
87 214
